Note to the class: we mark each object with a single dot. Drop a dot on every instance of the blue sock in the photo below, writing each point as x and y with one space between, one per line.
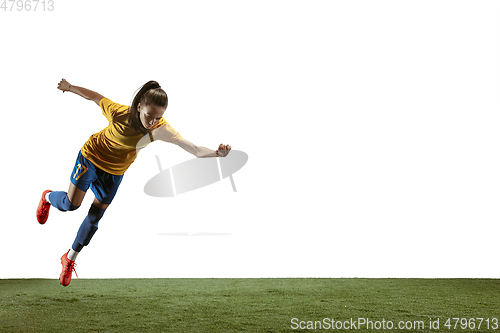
88 228
60 201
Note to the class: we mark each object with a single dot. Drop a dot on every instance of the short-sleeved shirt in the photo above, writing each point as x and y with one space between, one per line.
115 148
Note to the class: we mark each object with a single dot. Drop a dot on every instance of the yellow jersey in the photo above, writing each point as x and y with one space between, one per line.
115 148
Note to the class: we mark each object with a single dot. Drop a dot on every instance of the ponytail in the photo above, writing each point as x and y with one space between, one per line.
150 93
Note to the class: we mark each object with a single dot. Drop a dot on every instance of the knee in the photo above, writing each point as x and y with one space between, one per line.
72 207
68 208
68 205
95 214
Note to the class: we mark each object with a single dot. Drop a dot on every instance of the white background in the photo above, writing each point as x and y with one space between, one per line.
372 130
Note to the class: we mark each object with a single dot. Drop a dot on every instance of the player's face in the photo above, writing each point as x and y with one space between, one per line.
150 115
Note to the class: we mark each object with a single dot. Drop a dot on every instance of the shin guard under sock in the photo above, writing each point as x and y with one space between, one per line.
88 228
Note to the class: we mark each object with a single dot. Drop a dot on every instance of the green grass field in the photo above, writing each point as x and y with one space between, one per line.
253 305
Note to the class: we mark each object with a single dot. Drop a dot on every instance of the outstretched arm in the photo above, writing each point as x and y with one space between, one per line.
200 151
85 93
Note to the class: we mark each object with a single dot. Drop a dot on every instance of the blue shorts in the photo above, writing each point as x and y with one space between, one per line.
103 184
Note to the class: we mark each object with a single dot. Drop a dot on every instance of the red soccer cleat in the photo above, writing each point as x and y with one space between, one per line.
68 266
42 212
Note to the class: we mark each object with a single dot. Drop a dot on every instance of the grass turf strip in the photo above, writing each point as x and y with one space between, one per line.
235 305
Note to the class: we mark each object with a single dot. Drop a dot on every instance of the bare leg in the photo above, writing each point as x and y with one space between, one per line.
75 195
99 204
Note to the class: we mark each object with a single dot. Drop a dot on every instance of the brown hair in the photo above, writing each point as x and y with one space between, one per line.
149 94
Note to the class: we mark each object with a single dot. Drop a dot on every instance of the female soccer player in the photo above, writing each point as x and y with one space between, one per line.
104 158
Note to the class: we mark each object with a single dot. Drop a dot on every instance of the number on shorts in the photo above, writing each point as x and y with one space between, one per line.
80 168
